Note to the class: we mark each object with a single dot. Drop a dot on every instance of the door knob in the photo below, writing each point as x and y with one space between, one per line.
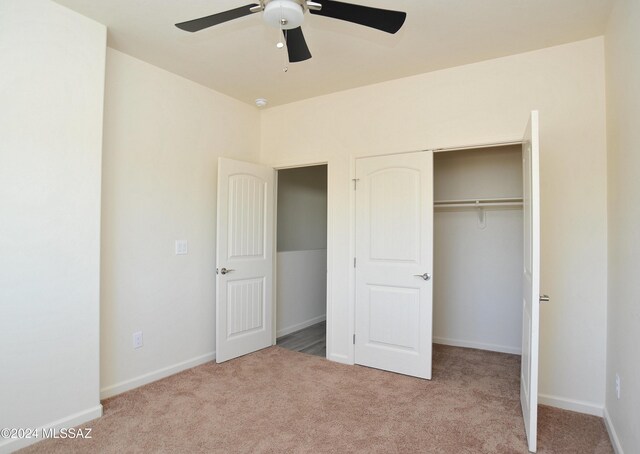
425 276
224 271
544 298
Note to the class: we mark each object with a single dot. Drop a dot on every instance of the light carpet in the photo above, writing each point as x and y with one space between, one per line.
278 401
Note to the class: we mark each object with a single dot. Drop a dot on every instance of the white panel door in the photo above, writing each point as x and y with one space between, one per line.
394 251
531 280
244 259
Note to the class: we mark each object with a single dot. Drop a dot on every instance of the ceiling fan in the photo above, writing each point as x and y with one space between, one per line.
288 16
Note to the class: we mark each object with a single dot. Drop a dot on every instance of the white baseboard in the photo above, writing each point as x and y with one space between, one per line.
136 382
580 406
76 419
342 359
615 441
478 345
299 326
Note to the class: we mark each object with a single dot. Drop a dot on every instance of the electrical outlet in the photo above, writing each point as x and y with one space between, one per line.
182 247
618 386
137 339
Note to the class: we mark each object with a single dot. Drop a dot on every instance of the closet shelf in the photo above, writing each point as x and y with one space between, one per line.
511 202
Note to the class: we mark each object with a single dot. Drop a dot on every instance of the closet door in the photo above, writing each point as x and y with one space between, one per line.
244 281
531 281
394 257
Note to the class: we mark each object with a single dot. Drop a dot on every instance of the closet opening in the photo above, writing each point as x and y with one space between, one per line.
478 248
301 259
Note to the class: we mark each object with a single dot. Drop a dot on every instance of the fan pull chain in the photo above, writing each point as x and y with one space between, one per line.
279 42
279 39
282 45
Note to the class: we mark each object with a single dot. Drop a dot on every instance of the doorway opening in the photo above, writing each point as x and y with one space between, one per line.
478 248
301 259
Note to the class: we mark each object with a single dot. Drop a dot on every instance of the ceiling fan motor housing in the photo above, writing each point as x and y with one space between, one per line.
285 14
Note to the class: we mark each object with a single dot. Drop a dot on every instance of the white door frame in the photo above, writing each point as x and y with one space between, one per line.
297 165
352 220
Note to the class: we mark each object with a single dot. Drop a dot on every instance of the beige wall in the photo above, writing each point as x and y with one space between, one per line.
623 109
163 136
479 103
51 95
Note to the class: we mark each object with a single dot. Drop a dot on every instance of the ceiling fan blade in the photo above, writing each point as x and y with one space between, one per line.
381 19
296 45
215 19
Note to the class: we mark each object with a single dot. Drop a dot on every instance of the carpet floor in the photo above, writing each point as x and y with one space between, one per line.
277 401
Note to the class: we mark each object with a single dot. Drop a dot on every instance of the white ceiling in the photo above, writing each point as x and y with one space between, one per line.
239 58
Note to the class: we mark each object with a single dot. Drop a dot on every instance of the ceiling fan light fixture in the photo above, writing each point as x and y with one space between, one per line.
284 14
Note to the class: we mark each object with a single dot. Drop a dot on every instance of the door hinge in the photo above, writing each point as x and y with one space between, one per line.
355 183
354 339
354 262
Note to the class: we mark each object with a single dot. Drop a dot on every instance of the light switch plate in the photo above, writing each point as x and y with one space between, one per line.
182 247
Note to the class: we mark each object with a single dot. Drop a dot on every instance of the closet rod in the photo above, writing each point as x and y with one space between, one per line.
501 200
479 205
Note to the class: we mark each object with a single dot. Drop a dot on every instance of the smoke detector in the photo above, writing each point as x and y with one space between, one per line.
261 102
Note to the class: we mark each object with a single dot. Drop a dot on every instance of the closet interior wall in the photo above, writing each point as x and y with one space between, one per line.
301 272
478 256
